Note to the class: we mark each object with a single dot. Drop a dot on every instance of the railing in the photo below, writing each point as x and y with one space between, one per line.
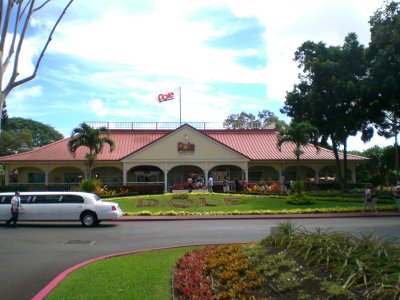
174 125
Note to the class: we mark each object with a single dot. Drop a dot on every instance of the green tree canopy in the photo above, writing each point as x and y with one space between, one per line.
21 135
329 94
87 136
248 120
13 142
379 170
384 75
41 134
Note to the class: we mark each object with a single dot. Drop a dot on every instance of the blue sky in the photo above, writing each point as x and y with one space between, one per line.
108 61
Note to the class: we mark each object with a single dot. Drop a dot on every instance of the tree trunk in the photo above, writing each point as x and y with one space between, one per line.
339 177
345 170
396 146
2 99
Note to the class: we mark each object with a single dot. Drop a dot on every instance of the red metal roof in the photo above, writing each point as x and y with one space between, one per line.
255 144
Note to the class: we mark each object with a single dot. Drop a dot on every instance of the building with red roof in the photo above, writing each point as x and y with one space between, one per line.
170 156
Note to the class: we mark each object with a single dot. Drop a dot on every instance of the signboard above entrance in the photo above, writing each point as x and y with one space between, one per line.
185 148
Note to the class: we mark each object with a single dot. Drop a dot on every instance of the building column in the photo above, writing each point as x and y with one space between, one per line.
124 171
7 175
206 172
316 179
353 175
166 189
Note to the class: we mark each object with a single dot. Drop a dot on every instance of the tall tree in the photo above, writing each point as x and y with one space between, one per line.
266 116
384 75
379 170
15 21
300 134
329 94
248 120
241 120
13 142
20 135
92 138
4 118
41 134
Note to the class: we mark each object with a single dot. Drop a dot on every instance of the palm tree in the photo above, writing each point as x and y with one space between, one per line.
299 133
87 136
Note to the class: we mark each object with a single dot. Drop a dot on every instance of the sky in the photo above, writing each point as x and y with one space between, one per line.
109 60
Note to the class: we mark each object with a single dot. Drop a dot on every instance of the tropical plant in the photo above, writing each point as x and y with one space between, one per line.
299 133
89 137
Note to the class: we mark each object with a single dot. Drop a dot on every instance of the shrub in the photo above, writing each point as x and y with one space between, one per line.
180 196
300 199
190 277
89 186
146 189
298 186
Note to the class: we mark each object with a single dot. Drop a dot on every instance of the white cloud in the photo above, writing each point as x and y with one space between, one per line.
98 108
28 93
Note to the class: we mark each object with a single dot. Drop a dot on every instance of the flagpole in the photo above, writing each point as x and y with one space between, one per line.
180 106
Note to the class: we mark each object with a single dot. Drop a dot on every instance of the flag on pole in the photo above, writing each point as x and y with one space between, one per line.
175 94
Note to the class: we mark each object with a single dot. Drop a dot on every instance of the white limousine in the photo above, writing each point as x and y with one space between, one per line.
60 206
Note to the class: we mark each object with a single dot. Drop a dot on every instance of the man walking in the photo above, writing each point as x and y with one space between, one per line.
15 206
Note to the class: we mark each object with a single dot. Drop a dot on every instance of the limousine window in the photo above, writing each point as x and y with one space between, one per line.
5 200
71 199
45 199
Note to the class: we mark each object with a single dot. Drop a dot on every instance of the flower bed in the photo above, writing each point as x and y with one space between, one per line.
222 271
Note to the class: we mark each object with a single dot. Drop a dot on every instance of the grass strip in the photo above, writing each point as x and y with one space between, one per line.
144 275
213 203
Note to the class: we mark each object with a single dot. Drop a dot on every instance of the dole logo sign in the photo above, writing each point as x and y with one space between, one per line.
166 97
185 148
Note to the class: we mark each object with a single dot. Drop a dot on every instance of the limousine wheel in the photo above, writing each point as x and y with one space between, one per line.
89 219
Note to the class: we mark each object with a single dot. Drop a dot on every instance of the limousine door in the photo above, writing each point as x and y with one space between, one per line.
40 207
5 207
71 207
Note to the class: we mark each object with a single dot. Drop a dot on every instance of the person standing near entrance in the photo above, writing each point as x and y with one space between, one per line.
226 185
210 184
15 206
237 185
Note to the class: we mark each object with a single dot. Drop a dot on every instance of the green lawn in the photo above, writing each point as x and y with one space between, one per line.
224 203
144 275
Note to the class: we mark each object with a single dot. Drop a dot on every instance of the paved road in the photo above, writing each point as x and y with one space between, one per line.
33 254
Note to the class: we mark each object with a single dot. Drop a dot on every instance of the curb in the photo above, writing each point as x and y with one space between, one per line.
261 217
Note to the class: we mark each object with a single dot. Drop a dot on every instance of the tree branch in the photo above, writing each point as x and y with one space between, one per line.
23 11
41 6
11 49
12 84
5 27
15 73
1 11
3 41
